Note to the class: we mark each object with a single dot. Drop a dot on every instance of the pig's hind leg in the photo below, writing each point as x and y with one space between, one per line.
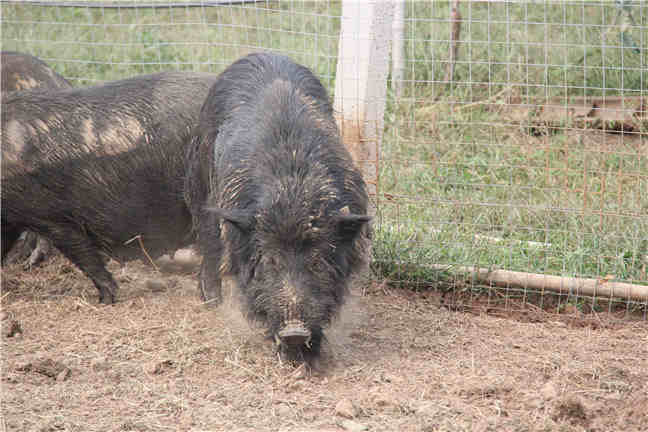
86 256
10 235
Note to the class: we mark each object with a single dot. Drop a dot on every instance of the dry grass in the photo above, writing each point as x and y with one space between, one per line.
163 361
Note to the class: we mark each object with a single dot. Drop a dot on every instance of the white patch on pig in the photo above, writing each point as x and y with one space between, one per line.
122 136
13 143
24 83
88 133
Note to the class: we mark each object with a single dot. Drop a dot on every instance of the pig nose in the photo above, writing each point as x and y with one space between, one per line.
295 334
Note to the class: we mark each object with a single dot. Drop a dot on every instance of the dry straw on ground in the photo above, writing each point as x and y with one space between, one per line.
162 361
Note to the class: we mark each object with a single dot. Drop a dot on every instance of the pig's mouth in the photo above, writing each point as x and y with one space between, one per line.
293 334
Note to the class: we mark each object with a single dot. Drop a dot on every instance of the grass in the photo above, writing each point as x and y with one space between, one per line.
92 45
579 196
451 178
555 49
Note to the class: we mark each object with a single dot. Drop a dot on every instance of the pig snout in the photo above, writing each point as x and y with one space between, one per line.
293 334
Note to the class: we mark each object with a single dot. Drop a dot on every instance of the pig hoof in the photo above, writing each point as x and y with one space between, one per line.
106 298
209 295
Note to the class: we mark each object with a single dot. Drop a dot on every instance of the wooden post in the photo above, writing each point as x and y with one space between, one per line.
455 34
398 48
361 80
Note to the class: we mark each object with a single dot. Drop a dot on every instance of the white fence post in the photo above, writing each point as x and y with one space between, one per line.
398 47
361 80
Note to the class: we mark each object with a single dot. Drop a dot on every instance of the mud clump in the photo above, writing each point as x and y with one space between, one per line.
572 410
48 367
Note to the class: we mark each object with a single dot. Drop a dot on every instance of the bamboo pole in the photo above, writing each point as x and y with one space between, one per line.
560 284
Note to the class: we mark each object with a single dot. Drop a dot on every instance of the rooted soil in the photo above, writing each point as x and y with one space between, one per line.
396 361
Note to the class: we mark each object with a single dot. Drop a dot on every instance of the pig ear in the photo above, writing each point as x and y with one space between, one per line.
242 219
349 225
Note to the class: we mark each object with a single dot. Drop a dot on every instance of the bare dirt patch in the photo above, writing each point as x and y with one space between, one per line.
160 360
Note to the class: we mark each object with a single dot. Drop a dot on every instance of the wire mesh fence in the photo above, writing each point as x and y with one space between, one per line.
515 146
520 145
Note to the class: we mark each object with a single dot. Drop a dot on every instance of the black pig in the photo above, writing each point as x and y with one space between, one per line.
276 199
21 71
93 168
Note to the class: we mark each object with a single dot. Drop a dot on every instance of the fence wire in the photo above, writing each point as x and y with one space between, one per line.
517 143
516 133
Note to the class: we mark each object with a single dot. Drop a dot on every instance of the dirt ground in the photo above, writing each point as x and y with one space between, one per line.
396 361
